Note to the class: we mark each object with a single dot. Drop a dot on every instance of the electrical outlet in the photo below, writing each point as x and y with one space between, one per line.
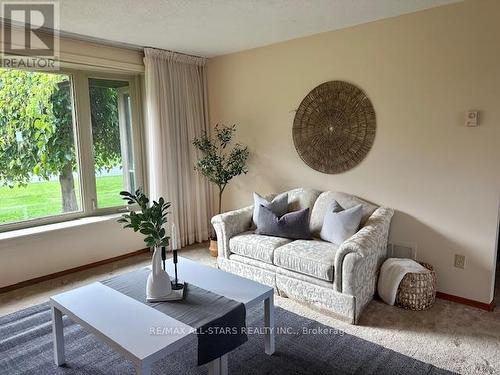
459 261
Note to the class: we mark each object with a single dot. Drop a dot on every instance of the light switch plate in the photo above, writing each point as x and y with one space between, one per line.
460 261
472 118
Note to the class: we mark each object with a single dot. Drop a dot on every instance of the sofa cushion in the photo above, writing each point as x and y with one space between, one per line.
345 200
256 246
314 258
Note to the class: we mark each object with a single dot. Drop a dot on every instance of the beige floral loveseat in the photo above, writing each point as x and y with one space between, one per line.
339 278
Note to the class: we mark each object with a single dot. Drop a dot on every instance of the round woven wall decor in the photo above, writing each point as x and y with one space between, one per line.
334 127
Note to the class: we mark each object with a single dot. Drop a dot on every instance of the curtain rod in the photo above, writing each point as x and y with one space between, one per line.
177 52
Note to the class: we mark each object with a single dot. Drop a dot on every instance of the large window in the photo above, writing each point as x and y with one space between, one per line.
67 145
112 139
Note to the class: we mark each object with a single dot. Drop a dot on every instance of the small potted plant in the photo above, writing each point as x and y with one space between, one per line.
220 163
150 222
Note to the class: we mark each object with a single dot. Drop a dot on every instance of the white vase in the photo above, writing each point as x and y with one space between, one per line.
158 285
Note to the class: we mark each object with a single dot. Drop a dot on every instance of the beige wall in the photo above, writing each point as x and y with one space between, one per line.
422 72
26 257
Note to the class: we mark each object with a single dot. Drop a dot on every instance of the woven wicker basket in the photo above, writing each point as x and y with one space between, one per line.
417 291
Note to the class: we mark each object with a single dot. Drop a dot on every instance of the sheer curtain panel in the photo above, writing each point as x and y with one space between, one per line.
177 112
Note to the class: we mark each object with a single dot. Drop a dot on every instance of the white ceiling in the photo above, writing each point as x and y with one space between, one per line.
214 27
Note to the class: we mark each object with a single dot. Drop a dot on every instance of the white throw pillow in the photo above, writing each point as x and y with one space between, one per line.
338 226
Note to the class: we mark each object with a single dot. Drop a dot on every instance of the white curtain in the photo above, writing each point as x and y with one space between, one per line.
176 99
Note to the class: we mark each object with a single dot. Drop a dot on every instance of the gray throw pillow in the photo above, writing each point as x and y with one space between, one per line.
334 207
293 225
279 205
338 226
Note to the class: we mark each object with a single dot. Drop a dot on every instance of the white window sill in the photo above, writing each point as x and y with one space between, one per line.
57 226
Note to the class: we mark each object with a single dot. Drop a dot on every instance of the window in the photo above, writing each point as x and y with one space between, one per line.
67 145
39 168
112 140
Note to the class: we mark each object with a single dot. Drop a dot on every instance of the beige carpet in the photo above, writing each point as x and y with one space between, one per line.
449 335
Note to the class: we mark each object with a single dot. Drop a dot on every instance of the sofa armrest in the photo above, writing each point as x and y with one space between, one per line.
228 225
366 249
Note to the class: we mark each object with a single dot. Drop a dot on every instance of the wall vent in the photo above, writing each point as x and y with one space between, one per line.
402 250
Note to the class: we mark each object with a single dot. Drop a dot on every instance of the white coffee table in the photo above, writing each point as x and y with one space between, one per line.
125 323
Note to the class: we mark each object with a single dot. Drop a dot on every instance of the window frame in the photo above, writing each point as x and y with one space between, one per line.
82 126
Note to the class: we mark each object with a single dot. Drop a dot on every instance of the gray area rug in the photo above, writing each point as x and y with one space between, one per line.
303 347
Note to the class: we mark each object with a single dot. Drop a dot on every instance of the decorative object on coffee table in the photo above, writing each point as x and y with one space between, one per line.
417 291
220 164
177 287
334 127
158 286
150 222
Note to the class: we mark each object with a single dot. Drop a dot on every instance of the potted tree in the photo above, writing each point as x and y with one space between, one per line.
220 163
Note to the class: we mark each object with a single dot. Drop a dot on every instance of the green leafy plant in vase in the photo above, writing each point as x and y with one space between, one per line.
150 222
220 163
